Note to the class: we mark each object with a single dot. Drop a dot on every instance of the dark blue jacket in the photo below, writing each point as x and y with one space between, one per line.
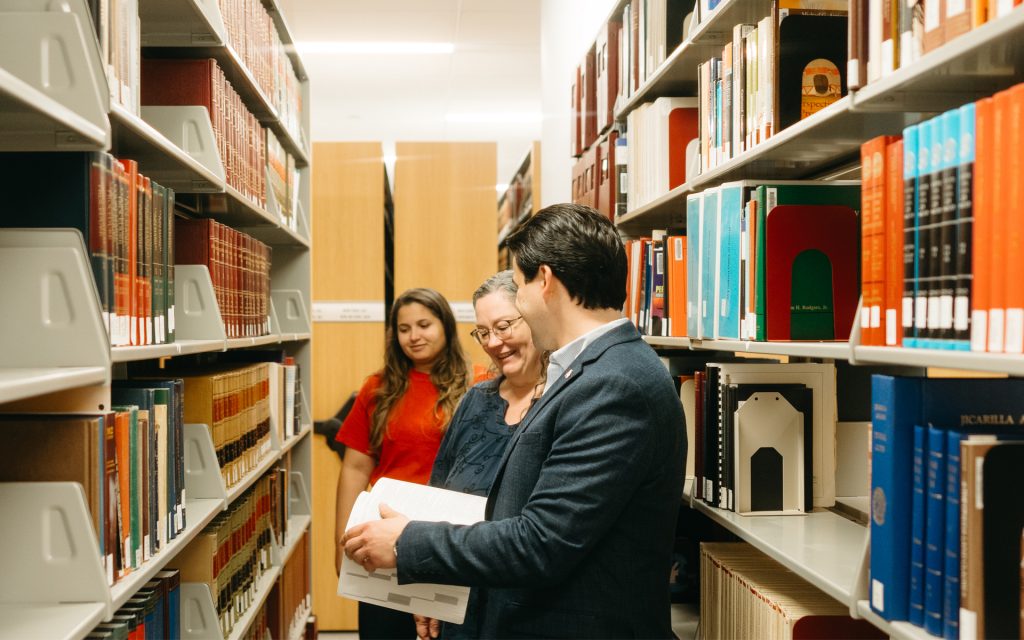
582 513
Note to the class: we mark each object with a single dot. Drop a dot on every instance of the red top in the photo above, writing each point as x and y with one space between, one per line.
414 432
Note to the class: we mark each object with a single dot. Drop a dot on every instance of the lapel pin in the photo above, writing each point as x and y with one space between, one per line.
568 374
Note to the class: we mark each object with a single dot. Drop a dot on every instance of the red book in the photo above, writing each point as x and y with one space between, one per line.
588 99
797 311
575 137
131 170
606 175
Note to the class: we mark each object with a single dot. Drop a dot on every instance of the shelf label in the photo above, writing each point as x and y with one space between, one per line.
348 311
463 311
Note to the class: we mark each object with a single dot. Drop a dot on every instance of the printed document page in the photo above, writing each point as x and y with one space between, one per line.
417 502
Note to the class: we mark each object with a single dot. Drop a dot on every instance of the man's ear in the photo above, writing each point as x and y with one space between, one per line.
547 281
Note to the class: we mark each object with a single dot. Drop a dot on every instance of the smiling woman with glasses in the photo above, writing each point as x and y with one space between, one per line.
491 411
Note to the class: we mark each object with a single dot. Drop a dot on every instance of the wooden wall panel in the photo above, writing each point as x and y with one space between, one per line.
348 264
445 207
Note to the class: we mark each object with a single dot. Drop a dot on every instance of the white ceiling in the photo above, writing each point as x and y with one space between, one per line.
494 69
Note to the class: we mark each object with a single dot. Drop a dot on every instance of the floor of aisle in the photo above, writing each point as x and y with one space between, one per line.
684 624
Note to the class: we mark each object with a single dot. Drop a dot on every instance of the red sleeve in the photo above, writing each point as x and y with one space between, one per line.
355 431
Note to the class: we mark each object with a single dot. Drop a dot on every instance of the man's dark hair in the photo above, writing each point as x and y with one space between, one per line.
582 249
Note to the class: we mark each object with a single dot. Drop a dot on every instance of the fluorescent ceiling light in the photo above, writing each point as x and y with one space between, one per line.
401 48
494 117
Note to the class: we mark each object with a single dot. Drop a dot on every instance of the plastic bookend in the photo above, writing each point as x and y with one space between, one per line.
198 616
203 478
303 228
197 315
50 46
191 130
275 326
298 497
45 273
50 545
182 23
290 309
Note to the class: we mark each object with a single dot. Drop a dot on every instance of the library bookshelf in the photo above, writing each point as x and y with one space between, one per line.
57 352
827 548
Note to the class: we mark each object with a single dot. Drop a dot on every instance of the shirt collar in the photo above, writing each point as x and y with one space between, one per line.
561 359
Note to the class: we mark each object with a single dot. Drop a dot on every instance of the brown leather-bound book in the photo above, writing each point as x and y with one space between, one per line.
58 448
606 176
607 69
179 82
575 136
588 99
972 585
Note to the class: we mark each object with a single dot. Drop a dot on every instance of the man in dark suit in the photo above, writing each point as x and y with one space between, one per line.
581 515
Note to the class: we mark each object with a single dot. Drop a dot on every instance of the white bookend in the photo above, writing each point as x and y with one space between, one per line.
203 479
290 309
197 314
181 23
51 48
191 131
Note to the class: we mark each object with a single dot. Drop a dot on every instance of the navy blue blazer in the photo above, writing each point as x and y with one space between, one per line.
581 516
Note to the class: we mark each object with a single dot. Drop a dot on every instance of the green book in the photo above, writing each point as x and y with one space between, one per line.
795 192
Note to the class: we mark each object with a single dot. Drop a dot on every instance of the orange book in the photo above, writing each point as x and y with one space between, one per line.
866 212
1013 218
893 289
675 256
122 440
1001 160
981 210
873 201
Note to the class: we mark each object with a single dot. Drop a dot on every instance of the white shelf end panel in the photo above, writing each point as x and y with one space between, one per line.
197 315
190 130
52 49
50 545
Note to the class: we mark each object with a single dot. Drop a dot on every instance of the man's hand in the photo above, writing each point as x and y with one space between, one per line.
372 544
427 628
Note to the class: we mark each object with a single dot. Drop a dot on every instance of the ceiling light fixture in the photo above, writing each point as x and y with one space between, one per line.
384 48
501 187
495 117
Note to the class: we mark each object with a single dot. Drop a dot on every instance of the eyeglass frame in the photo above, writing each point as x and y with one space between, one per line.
483 336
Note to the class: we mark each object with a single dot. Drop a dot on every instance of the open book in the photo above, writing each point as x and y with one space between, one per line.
417 502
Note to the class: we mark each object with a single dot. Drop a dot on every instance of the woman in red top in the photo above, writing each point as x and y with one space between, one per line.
398 419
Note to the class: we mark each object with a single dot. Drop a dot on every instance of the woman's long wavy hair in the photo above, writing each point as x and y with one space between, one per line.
450 373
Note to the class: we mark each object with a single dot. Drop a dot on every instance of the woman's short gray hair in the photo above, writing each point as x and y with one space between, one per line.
501 281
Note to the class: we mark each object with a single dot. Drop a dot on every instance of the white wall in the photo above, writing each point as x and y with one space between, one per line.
567 28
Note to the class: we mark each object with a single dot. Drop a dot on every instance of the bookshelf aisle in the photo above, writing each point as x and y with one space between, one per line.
249 304
520 200
740 134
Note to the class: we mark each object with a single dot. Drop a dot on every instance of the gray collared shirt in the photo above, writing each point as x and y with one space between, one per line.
562 358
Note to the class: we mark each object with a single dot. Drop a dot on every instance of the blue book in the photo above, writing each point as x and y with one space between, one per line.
935 529
964 226
709 263
729 308
693 263
917 531
899 403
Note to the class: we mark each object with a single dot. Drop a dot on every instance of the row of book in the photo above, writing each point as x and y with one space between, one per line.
788 66
658 154
252 33
290 604
154 611
947 513
595 176
762 435
241 139
284 181
746 594
628 49
129 461
118 32
885 36
656 283
232 553
239 268
936 242
126 220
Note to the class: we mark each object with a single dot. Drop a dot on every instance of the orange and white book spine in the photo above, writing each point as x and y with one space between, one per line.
893 243
1013 215
981 209
997 223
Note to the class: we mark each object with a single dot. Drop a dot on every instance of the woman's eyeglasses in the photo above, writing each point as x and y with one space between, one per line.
502 330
